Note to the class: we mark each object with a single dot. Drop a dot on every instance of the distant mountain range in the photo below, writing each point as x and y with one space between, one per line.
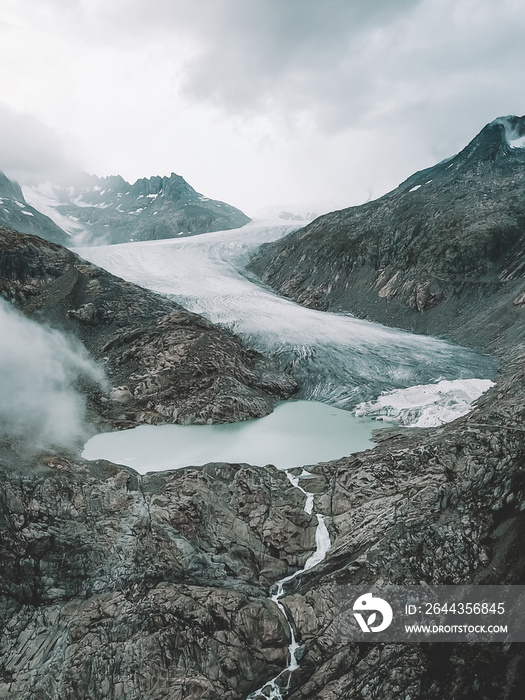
96 210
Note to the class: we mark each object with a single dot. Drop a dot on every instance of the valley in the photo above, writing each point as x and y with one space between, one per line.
134 574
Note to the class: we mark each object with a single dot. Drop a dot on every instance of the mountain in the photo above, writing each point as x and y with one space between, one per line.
111 210
117 585
165 364
427 256
17 213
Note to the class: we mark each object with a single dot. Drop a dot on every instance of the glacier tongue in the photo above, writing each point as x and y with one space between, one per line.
426 405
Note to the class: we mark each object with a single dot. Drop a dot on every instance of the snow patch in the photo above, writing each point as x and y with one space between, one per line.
413 189
80 203
517 143
426 405
45 198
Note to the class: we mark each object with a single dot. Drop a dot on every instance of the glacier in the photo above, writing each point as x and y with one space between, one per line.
335 357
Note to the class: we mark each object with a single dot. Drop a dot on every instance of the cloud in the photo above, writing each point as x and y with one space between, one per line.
439 68
346 62
248 55
31 152
40 403
214 90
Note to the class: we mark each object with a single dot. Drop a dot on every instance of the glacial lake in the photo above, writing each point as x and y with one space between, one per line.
297 433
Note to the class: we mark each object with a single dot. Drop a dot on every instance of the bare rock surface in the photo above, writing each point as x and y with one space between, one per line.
437 506
120 586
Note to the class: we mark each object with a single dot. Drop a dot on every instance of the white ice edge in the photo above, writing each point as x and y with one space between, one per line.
426 405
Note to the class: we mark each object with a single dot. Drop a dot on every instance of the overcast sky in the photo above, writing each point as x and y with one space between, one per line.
255 102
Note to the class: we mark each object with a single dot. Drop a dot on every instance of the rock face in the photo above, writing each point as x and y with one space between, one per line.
442 253
16 213
444 247
163 363
111 210
120 586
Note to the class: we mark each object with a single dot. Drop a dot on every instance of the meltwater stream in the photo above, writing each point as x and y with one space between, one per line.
336 358
279 684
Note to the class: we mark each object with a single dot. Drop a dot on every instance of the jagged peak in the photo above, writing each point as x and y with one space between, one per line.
500 138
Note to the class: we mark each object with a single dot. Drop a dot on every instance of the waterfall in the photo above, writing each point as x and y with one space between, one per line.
274 688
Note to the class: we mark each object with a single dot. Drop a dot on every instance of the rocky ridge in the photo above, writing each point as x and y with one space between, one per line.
442 253
164 364
15 212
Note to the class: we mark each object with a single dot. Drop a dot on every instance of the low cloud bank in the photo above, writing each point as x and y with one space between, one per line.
40 403
31 152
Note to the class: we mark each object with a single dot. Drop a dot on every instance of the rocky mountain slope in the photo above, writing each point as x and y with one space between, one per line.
15 212
111 210
120 586
164 363
437 506
445 246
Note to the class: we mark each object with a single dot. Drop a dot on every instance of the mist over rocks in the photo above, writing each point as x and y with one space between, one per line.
40 373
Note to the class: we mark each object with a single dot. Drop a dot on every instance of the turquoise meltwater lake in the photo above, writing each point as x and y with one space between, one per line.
296 434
